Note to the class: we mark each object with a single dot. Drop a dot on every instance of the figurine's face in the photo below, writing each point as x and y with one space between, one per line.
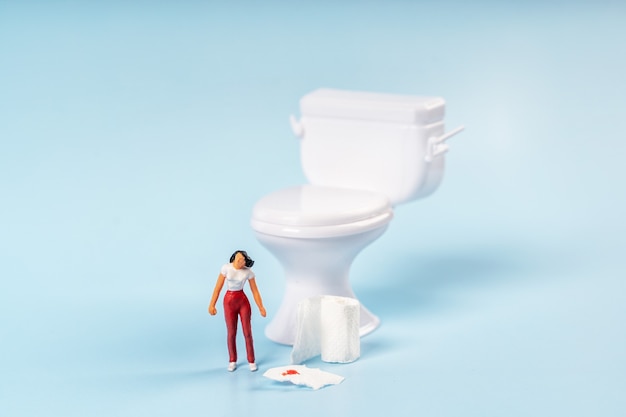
240 261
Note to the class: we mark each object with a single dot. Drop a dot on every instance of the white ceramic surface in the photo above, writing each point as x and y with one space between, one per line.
362 154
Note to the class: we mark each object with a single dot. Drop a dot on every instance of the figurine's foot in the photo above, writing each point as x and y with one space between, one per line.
253 367
232 366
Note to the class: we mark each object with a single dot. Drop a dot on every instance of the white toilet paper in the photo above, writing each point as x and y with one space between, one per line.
339 323
327 325
307 344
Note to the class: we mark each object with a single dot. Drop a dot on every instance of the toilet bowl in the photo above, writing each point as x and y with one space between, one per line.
315 232
362 153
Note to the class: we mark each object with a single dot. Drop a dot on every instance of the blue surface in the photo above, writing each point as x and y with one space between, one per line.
134 140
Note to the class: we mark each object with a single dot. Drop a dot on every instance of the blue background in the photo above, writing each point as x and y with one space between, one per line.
136 136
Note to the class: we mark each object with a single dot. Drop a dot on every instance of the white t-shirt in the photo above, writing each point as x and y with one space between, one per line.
236 278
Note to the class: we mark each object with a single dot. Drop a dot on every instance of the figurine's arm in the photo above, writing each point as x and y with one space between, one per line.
257 296
216 293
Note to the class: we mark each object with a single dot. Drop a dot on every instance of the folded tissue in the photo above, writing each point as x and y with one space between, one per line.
301 375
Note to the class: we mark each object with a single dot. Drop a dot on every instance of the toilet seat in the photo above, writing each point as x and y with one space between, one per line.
309 211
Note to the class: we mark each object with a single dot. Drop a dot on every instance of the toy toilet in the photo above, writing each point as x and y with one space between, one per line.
363 154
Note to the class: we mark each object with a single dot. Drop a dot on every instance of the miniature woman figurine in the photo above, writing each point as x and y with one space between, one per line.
235 274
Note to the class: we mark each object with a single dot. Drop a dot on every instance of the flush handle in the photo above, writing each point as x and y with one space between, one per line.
296 126
436 146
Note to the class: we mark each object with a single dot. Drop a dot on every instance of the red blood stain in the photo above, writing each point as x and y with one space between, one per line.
291 372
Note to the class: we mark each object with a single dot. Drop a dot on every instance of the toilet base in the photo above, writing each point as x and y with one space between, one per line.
315 267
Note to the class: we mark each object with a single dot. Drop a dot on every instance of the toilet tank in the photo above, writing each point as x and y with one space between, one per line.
379 142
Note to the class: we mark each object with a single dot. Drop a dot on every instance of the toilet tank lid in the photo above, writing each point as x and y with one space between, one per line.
360 105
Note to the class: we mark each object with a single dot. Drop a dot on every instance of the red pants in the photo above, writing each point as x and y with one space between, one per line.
236 304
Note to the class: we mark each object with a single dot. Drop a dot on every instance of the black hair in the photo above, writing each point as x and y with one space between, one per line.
249 261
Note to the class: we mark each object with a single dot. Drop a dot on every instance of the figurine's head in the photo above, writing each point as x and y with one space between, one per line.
240 259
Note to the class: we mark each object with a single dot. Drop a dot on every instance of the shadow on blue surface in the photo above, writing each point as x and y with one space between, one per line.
436 280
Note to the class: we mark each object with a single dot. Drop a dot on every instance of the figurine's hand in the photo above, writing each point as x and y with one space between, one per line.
212 310
263 312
